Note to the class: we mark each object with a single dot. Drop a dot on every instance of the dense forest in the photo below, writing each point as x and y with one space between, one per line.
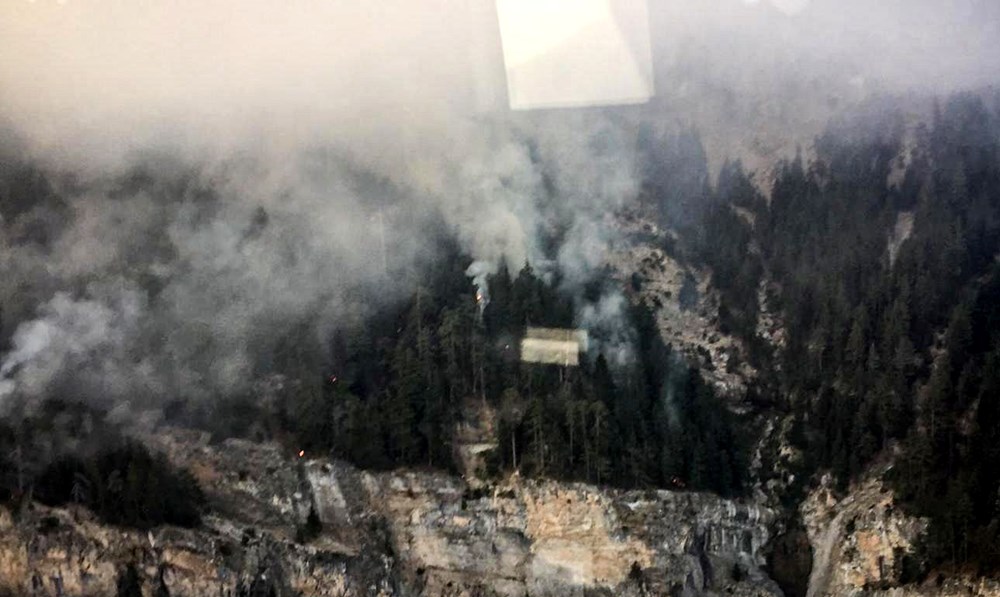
393 396
888 342
396 389
879 253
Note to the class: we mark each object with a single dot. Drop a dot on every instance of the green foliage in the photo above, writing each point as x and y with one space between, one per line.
866 335
726 245
397 400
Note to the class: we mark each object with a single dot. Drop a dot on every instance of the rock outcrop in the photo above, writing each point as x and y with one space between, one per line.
393 533
865 544
859 542
685 305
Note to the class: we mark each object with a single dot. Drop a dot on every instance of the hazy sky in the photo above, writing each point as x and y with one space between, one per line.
120 71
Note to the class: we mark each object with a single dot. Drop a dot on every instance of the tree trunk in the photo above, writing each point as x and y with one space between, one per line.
513 447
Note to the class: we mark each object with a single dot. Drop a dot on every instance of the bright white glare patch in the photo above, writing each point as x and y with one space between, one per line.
565 53
790 7
553 346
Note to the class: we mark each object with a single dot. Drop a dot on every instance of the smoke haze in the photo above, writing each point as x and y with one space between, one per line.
315 127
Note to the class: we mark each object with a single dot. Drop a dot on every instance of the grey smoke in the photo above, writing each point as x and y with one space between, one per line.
73 336
607 334
330 119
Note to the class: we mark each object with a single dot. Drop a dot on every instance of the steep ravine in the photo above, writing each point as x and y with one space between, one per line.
829 544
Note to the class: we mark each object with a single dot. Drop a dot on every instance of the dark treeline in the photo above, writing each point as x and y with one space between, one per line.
398 387
67 453
124 485
883 346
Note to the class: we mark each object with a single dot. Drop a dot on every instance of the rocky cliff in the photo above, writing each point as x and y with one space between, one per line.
863 543
393 533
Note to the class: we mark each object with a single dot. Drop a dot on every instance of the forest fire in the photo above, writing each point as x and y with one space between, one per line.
739 256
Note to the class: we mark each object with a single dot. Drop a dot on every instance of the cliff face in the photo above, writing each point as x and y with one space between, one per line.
397 533
864 544
861 542
544 538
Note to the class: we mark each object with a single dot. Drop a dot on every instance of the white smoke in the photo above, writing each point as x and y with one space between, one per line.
607 334
69 335
480 271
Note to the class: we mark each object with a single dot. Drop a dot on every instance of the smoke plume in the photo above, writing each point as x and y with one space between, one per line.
203 177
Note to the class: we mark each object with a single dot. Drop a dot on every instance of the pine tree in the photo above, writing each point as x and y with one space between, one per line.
537 435
511 413
453 336
526 299
400 417
599 440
